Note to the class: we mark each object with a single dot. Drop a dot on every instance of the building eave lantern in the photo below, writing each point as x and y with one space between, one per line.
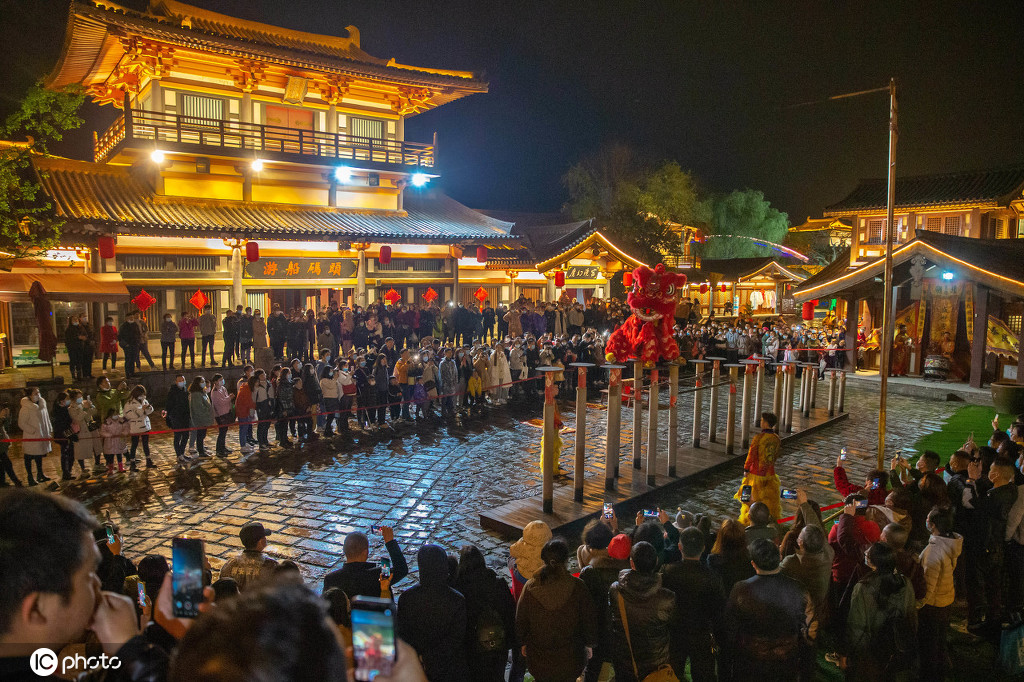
107 246
481 254
252 252
560 278
385 255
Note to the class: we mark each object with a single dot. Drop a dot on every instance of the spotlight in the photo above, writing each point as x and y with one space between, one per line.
948 276
157 156
419 179
343 174
257 165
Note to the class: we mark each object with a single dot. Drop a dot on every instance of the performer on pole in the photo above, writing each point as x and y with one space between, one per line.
759 471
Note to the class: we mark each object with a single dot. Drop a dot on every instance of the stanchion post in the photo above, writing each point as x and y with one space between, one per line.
730 410
612 441
758 394
814 387
638 413
548 455
841 402
811 379
716 378
780 390
788 398
653 396
673 417
802 395
698 400
749 371
581 428
831 393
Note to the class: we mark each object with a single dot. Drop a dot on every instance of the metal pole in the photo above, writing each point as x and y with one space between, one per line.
788 399
745 409
612 442
842 393
887 302
673 418
809 382
638 415
716 377
581 428
730 412
780 390
653 396
802 395
758 394
814 386
832 393
698 405
548 455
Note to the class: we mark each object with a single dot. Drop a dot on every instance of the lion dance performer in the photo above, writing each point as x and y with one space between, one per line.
759 470
647 334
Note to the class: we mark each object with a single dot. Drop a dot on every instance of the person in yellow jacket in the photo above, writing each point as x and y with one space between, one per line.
474 389
759 470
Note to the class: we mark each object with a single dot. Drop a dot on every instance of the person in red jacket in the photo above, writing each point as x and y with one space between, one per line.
875 486
108 343
245 410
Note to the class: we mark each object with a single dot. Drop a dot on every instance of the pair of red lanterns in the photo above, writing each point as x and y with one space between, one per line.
107 245
385 255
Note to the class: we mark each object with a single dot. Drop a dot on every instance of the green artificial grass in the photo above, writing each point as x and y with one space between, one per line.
959 426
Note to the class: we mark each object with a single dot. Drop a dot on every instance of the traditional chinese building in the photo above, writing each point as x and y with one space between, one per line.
958 271
258 165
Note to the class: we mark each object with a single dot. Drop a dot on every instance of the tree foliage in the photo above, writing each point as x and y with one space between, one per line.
638 203
28 226
742 214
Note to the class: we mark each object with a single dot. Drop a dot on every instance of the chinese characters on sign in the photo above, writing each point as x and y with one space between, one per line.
581 272
301 268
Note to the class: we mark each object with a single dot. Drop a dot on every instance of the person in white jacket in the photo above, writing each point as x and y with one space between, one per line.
34 422
331 390
84 424
938 559
516 363
137 411
501 375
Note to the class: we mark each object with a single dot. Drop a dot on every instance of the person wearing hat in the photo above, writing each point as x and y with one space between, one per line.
252 565
524 554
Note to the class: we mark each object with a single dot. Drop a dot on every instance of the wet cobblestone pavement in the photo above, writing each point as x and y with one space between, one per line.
431 482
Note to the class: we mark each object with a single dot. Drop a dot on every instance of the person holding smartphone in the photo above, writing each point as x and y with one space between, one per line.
358 576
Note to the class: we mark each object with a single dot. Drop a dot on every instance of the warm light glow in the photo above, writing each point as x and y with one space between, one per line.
257 165
948 276
343 174
157 156
419 179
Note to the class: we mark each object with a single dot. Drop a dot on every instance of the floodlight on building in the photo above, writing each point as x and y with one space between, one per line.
419 179
257 165
157 156
343 174
948 276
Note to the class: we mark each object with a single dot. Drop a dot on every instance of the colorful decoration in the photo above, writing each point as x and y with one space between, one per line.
106 245
199 300
647 334
724 289
385 255
143 301
560 278
430 295
252 252
480 294
627 279
703 288
392 297
481 254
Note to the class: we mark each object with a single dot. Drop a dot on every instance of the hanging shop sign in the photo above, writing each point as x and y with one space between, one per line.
301 268
582 272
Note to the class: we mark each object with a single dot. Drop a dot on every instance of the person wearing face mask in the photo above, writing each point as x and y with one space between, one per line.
364 393
137 411
168 334
83 420
245 412
34 422
285 406
330 390
73 343
264 397
201 412
222 413
187 331
62 430
177 417
108 343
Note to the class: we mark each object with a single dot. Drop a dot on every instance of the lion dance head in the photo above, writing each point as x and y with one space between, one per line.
647 334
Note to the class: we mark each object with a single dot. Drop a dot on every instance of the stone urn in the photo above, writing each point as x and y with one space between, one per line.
1008 397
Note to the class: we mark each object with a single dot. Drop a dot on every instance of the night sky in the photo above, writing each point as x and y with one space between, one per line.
707 84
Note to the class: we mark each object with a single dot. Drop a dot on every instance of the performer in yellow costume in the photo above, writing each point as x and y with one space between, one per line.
759 470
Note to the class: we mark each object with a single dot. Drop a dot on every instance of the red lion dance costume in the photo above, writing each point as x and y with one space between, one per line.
647 334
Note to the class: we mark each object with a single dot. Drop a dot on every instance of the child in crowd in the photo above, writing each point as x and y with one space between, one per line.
394 398
419 397
113 431
474 390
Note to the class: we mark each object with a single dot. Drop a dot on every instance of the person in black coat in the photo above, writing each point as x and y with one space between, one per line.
700 590
490 616
178 415
600 571
361 578
432 619
62 430
230 329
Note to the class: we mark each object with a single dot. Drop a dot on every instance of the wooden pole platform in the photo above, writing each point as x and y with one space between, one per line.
570 516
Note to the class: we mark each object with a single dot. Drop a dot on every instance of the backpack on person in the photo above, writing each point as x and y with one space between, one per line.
490 633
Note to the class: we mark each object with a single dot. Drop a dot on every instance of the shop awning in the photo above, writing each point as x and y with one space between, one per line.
69 286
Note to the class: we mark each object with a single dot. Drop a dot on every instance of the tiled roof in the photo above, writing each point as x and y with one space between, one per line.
837 267
109 196
985 186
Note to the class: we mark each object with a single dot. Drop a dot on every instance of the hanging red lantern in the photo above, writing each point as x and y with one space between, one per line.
724 289
107 246
704 288
252 252
560 278
627 279
481 254
385 255
807 312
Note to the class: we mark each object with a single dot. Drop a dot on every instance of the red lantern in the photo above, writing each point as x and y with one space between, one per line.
627 279
481 254
560 278
252 252
724 289
106 244
385 255
807 312
704 288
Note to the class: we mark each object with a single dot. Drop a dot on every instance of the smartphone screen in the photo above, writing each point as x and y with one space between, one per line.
110 535
862 504
375 529
373 637
788 494
385 567
608 512
842 454
875 483
745 494
650 513
187 576
142 594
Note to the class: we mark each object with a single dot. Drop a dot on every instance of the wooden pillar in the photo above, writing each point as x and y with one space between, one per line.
788 398
780 390
638 413
716 377
653 396
852 304
548 455
730 411
698 399
361 277
748 372
611 442
841 400
673 418
581 428
980 323
758 394
832 393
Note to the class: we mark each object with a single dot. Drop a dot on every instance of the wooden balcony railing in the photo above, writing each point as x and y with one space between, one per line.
235 136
